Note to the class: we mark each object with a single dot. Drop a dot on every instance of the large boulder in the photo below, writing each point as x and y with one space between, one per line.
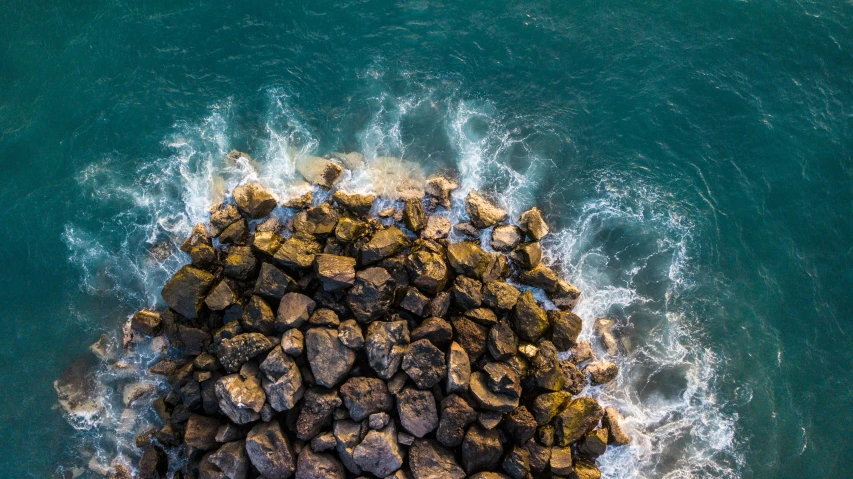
294 310
429 460
529 319
486 398
298 251
545 368
482 211
312 465
417 411
385 345
273 283
329 358
601 372
481 449
316 414
358 204
383 244
579 417
379 453
500 296
533 224
319 220
426 267
527 255
371 294
424 363
471 336
467 258
234 352
240 263
612 421
566 326
201 432
240 398
269 451
319 171
223 218
229 461
506 237
413 214
254 200
186 290
282 380
258 317
440 188
365 396
336 272
456 416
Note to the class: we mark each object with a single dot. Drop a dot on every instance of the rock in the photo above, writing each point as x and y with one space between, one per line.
220 297
223 218
527 255
458 369
545 368
348 435
379 420
201 432
503 343
293 342
365 396
240 263
228 432
561 460
300 202
581 353
502 379
229 461
424 363
186 290
356 203
294 310
482 211
153 463
233 352
428 460
324 442
601 372
436 330
386 343
317 407
371 294
336 272
349 230
574 378
481 449
532 224
427 268
497 267
594 443
197 236
254 200
383 244
439 305
266 243
413 301
349 332
319 220
269 451
329 358
585 470
529 320
548 405
146 322
282 381
405 439
612 422
505 237
319 171
193 340
258 317
565 328
136 393
604 330
471 336
417 411
484 316
413 214
579 417
466 229
272 283
203 256
456 415
467 258
500 295
240 399
298 251
379 453
517 463
437 227
440 188
486 398
467 293
312 465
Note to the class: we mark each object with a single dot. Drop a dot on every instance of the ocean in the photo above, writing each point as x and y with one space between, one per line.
694 160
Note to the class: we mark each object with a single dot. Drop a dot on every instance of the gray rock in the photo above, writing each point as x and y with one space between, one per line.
561 460
319 220
417 411
349 332
240 398
437 227
294 310
324 442
413 301
319 171
594 443
583 469
329 358
234 352
365 396
223 218
540 456
471 336
378 420
424 363
505 237
356 203
201 432
300 202
282 381
348 435
258 317
186 290
520 425
316 414
441 188
266 243
503 343
293 342
229 461
426 267
146 322
467 293
545 368
324 317
197 236
379 453
486 398
517 463
269 451
482 211
371 294
350 230
546 406
428 460
386 343
565 328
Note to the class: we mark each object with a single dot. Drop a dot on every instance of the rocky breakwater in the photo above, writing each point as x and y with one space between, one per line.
334 345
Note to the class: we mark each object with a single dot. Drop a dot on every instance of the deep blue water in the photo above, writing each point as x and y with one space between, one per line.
695 160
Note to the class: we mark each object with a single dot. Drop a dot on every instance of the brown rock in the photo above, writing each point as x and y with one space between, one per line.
482 211
186 290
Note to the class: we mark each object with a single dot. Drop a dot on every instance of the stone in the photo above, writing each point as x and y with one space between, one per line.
228 432
282 381
364 396
429 460
503 343
329 358
467 293
336 272
601 372
497 267
603 328
540 456
270 451
386 342
532 224
319 220
527 255
293 342
379 453
197 236
561 460
266 243
548 405
579 417
358 204
273 283
565 328
324 317
437 227
193 340
466 229
440 188
517 463
529 319
234 352
413 301
484 316
203 256
439 305
298 251
424 363
300 202
574 378
486 398
349 332
240 399
312 465
348 435
467 258
220 297
317 407
223 218
426 268
258 317
135 394
240 263
581 353
383 244
489 419
505 237
371 294
520 425
458 369
413 214
436 330
154 463
229 461
146 322
612 421
481 449
417 411
482 211
350 230
502 379
456 415
545 368
585 470
236 233
379 420
500 296
294 310
201 432
471 336
186 290
545 435
319 171
594 443
323 442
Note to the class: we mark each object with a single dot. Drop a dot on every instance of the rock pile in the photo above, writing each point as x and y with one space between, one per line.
337 346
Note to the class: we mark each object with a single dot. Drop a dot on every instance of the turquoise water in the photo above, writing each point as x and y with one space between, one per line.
695 160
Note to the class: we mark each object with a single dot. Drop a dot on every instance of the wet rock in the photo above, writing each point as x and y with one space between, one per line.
529 320
294 310
385 344
458 369
298 251
223 218
273 283
540 456
193 340
481 449
436 330
240 263
319 171
506 237
527 255
500 296
579 417
201 432
503 343
437 227
197 236
581 353
417 411
532 224
484 316
204 257
612 421
269 451
349 332
467 258
604 331
349 230
482 211
502 379
300 202
356 203
146 322
266 243
424 363
240 399
379 453
236 233
229 461
561 460
318 405
497 268
441 188
471 336
545 368
517 463
594 443
233 352
153 464
258 317
565 328
329 358
427 268
413 301
488 399
293 342
467 293
371 294
336 272
413 214
365 396
383 244
456 415
428 460
319 220
574 378
220 297
439 305
282 381
601 372
312 465
186 290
